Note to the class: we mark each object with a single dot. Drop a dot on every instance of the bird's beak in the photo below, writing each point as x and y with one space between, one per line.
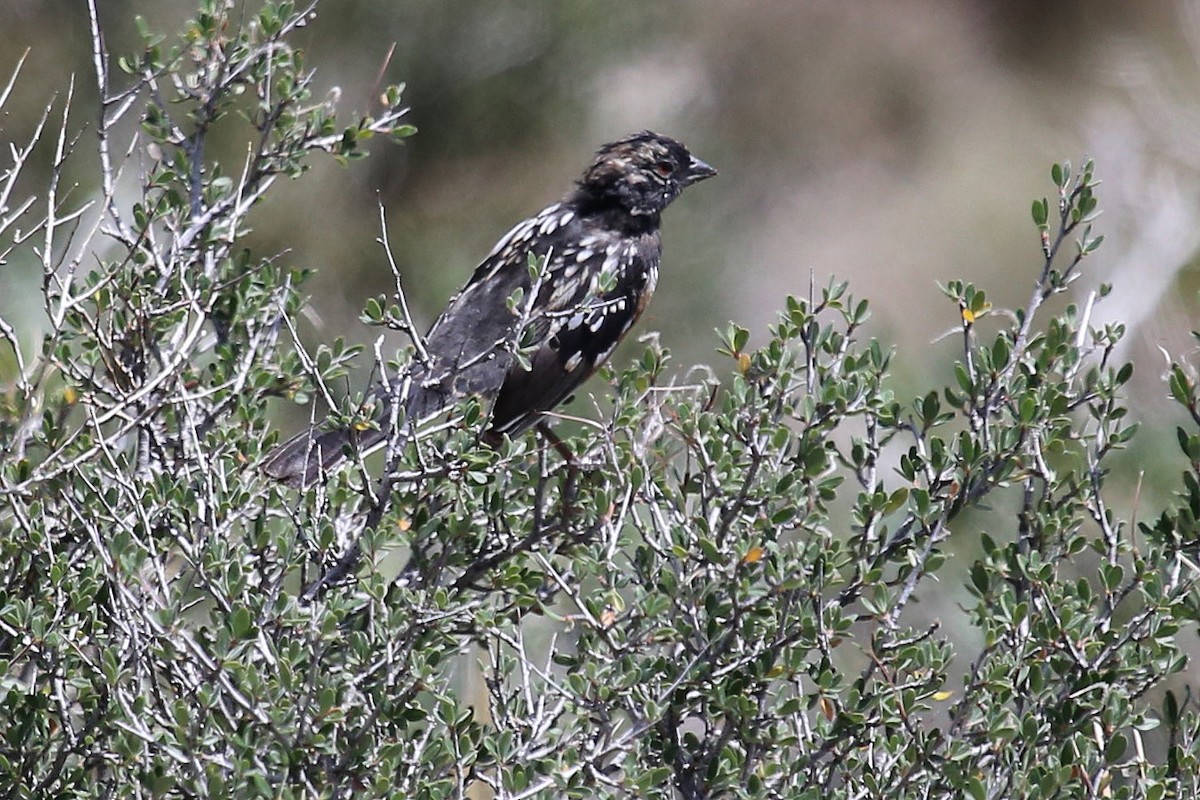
698 171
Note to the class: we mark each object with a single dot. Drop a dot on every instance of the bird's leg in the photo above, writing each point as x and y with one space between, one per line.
558 444
571 479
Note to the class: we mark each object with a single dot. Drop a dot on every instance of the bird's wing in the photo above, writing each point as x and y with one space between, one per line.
467 342
594 285
582 326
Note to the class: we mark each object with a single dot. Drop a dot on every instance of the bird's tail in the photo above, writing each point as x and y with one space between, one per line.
302 459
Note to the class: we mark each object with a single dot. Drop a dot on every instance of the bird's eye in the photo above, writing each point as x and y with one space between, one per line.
664 169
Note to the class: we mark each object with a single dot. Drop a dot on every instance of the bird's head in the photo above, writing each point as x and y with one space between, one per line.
642 173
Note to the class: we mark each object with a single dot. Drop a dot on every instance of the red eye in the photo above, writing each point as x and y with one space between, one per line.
664 169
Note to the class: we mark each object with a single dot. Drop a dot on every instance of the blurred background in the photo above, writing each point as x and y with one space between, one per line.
893 145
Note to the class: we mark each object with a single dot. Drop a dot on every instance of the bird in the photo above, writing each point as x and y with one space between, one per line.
560 289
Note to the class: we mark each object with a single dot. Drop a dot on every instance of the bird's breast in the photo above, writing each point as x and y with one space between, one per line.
648 287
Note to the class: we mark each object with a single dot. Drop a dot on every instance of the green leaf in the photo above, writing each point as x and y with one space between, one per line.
1041 212
1061 174
241 623
896 501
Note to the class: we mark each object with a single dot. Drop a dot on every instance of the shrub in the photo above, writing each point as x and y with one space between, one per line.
716 603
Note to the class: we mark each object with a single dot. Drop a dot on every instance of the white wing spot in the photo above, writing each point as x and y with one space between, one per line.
562 293
520 233
610 261
523 231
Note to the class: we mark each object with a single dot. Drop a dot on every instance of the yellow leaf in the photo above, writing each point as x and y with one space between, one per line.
827 708
968 316
404 523
743 361
362 426
940 696
753 555
70 396
615 601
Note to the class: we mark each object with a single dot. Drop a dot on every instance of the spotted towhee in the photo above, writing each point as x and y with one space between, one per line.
598 250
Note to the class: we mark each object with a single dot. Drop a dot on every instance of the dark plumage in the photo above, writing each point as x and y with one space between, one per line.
602 247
